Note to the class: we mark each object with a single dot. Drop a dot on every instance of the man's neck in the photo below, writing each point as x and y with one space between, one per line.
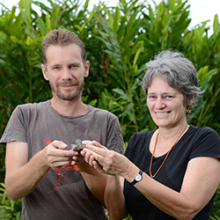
69 108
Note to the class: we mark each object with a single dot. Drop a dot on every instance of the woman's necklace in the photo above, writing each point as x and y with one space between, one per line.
151 161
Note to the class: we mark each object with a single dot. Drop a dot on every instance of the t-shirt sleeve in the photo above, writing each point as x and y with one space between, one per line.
207 144
15 129
115 140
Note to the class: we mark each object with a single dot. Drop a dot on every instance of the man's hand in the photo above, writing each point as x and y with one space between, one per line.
57 155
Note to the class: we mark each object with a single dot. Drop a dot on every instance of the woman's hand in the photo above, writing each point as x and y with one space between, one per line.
104 160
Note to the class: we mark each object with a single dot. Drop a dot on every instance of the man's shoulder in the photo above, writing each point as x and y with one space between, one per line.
101 112
32 106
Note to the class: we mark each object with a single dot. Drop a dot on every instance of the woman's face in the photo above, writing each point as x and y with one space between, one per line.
166 104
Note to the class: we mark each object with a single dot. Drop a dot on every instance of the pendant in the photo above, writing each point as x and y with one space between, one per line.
152 176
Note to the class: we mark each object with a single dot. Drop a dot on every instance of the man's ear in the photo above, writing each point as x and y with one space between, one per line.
86 69
44 71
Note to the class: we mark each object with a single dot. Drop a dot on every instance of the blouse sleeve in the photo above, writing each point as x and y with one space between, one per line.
207 144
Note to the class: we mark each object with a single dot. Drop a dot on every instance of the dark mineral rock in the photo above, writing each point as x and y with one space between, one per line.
78 146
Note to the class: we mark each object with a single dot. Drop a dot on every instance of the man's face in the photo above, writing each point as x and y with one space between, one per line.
65 71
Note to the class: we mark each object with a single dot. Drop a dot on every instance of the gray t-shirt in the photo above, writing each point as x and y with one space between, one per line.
61 193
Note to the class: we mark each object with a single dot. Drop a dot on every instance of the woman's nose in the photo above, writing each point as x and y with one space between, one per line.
159 103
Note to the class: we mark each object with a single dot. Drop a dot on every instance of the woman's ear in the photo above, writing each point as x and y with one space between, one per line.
189 104
191 100
44 71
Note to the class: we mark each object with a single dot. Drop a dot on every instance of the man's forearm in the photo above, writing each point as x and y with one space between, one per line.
24 180
95 181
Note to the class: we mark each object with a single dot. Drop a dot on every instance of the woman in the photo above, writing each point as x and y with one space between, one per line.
171 172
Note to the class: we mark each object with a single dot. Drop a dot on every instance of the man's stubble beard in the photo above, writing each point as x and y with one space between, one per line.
69 96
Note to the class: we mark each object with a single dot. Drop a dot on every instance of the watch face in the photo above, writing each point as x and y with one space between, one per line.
138 177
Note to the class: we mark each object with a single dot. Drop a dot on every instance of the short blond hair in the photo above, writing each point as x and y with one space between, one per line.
62 37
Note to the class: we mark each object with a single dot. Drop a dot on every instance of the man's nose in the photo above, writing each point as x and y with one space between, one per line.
66 73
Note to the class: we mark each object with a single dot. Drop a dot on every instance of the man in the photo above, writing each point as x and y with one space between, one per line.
53 181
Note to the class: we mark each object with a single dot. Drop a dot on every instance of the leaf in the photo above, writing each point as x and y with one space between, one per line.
216 22
55 16
122 94
205 75
41 26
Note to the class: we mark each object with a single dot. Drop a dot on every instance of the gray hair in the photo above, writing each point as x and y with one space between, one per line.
179 72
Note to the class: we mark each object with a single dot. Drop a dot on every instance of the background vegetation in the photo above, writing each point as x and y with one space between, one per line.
119 41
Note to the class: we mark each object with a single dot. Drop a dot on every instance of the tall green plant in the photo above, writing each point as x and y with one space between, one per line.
8 208
203 51
122 48
119 41
132 33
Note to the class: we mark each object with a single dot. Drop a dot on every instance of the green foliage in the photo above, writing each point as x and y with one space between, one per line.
8 208
202 50
215 214
119 41
122 48
141 34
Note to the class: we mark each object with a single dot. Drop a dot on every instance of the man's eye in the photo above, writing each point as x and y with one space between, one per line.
73 66
56 67
151 97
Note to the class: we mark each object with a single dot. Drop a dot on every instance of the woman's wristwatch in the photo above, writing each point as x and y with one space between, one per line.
137 177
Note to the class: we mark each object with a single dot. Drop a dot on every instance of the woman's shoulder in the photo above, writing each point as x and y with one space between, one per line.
203 131
143 134
140 138
203 141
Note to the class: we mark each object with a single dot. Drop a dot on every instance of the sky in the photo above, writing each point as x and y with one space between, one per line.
200 10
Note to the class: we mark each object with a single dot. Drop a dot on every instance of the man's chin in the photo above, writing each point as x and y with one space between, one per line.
68 97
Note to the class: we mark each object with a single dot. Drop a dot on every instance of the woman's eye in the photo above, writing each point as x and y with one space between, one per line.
169 97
